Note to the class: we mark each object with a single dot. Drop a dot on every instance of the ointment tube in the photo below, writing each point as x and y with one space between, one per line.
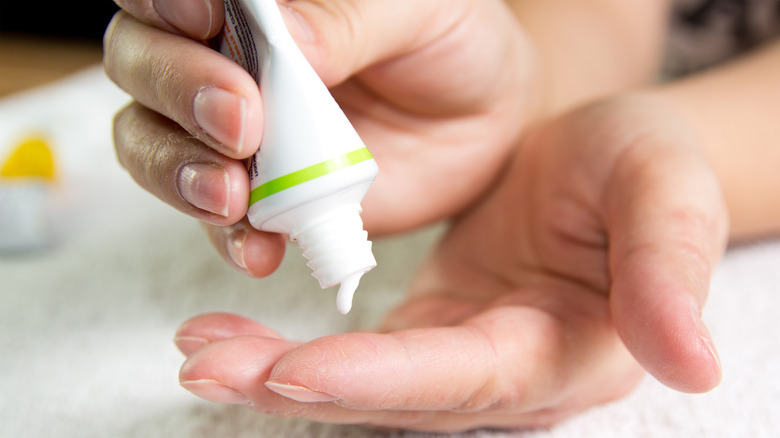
312 170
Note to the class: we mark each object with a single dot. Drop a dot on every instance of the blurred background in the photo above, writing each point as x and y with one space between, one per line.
45 40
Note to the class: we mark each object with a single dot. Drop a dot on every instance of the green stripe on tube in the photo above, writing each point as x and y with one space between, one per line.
307 174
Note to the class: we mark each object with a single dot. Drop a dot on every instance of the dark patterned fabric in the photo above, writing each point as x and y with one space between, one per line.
706 32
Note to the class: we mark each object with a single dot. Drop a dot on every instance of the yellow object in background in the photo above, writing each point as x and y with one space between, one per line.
31 158
26 181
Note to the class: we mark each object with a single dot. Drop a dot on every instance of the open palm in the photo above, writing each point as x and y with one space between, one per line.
589 261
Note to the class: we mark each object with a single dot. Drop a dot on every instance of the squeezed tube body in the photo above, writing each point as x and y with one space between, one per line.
312 170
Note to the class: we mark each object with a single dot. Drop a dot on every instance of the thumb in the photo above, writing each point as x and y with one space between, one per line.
668 228
340 38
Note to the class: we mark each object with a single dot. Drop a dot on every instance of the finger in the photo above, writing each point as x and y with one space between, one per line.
667 230
220 370
200 19
198 181
393 380
179 170
341 37
345 38
232 371
408 370
508 360
207 94
256 253
201 330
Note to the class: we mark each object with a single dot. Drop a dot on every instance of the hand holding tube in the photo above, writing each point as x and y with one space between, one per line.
394 81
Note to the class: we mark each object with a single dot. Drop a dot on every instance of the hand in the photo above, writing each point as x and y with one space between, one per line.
435 91
589 261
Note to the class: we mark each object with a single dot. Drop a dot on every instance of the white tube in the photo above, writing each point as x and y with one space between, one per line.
312 170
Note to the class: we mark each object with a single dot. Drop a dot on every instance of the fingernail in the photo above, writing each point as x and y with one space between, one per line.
189 344
299 393
236 242
299 27
212 390
704 333
205 186
222 115
191 17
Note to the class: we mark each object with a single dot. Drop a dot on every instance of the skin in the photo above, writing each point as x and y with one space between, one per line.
391 100
731 110
582 258
580 269
599 240
394 82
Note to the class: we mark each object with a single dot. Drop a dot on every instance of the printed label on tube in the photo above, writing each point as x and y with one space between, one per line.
238 41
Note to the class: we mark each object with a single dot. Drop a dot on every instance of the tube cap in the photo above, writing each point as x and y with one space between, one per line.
339 252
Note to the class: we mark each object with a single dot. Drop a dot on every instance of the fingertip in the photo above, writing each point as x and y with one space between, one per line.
263 252
299 393
662 263
110 41
300 19
341 38
209 187
696 371
671 343
215 391
238 363
201 330
711 369
253 252
299 27
230 116
200 19
219 325
188 345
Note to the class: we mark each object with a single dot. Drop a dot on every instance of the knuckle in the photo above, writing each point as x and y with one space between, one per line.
142 9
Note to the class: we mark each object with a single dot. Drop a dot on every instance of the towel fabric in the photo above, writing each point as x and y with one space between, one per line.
86 323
